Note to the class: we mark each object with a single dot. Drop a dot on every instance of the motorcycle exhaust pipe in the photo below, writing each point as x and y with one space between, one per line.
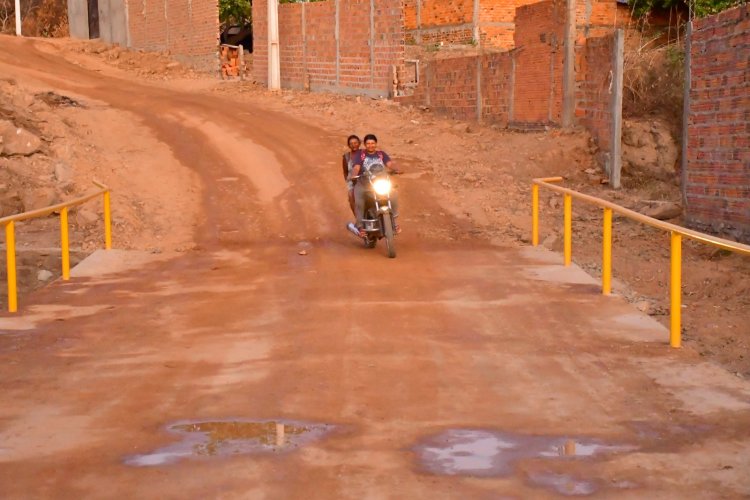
351 227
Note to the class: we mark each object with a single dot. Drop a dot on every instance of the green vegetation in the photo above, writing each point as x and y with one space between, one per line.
700 8
233 12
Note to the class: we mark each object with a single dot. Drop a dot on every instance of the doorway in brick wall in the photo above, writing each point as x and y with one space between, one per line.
93 13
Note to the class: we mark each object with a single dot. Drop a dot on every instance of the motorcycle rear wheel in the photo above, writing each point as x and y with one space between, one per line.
390 244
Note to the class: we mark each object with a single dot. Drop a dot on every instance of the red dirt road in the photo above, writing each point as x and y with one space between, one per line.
391 352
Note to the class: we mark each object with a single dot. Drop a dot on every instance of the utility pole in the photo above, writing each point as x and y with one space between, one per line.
18 17
569 69
274 63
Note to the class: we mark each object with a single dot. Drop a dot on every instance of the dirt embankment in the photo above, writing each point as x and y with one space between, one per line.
52 146
482 175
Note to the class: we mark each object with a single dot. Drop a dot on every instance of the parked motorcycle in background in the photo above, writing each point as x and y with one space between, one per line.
378 220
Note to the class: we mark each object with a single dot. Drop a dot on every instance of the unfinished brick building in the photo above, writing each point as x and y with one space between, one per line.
492 23
188 29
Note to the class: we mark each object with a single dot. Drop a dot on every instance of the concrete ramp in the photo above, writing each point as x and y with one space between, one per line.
108 262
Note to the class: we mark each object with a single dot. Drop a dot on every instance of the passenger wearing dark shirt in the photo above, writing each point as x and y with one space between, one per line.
347 163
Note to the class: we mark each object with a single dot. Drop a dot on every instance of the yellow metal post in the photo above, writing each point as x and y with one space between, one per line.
10 253
607 253
65 244
568 229
675 291
107 222
534 215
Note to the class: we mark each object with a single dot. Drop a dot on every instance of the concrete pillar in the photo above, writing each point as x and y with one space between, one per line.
475 24
686 115
336 35
274 60
78 19
372 43
18 17
617 82
569 63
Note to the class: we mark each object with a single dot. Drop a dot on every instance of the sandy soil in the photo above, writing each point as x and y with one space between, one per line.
467 330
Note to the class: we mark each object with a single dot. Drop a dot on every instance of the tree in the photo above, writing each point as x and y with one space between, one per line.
235 12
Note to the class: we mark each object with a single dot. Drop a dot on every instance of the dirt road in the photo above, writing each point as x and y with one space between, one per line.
459 369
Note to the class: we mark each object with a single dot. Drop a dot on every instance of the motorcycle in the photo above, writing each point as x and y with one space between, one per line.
378 220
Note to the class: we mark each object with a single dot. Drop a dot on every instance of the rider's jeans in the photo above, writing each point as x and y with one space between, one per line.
360 199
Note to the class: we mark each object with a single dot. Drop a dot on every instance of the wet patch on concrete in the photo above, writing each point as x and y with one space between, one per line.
486 453
222 438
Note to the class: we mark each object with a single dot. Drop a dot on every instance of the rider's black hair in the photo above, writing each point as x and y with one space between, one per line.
369 137
349 139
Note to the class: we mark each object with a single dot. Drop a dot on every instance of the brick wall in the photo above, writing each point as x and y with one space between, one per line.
523 87
189 30
360 62
539 62
718 148
435 21
594 96
497 87
466 88
497 25
431 21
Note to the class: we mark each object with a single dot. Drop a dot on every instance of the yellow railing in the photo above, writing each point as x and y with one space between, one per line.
10 236
677 232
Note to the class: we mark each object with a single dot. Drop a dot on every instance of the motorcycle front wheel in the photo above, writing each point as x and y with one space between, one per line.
390 244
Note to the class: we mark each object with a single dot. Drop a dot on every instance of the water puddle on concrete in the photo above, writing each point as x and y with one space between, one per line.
563 484
221 438
485 453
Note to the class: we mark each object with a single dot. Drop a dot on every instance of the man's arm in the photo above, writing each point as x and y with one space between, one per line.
345 165
356 167
392 168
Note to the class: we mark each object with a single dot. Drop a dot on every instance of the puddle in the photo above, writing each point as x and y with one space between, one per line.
563 484
221 438
490 453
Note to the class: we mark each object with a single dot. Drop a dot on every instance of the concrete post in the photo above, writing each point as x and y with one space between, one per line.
418 36
686 115
569 63
512 100
479 87
305 74
274 63
372 43
18 17
336 37
475 24
616 130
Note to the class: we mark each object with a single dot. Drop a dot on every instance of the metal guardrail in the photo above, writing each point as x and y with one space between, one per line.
677 232
10 236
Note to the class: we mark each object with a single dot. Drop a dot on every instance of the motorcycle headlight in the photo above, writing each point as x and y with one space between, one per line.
382 186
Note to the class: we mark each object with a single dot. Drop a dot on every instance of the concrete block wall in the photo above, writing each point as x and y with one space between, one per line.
717 175
188 30
348 46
